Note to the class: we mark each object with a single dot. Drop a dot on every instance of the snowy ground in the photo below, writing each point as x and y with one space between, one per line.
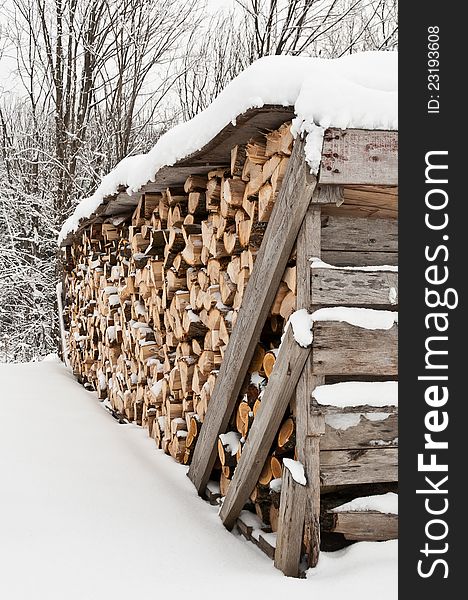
91 510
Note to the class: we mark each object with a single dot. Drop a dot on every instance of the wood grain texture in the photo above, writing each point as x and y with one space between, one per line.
281 385
346 258
341 349
350 467
359 157
304 526
362 431
292 511
365 526
339 287
280 236
328 194
359 234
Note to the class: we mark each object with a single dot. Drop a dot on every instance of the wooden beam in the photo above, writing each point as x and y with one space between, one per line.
353 431
292 510
343 349
341 287
328 194
299 513
369 526
279 239
281 385
350 467
351 258
359 157
358 233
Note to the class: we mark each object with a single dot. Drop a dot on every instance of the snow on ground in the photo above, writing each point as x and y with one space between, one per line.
92 511
359 90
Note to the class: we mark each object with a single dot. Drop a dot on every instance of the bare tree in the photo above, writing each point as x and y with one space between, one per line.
93 76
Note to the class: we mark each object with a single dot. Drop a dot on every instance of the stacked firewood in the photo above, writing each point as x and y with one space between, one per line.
266 494
152 297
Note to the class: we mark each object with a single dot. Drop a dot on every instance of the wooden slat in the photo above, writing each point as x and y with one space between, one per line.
351 467
281 385
348 209
348 431
341 349
354 233
339 287
342 258
359 157
290 525
365 526
279 239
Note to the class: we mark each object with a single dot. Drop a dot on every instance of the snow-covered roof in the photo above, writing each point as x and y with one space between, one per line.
355 91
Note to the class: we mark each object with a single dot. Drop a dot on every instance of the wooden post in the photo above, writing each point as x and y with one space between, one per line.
280 236
300 505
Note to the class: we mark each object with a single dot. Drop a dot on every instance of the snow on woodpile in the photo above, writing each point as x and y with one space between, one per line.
383 503
358 393
359 90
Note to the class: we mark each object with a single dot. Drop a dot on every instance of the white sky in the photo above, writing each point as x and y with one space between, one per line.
7 62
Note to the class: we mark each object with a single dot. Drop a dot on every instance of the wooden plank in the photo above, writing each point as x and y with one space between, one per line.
348 209
328 194
359 157
365 526
341 349
290 525
339 287
309 422
363 234
299 513
348 431
350 467
279 239
342 258
281 385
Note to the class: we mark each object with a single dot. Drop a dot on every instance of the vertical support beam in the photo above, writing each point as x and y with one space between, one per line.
299 517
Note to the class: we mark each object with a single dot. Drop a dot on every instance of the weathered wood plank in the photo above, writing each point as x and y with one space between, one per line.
350 467
304 524
365 526
359 157
340 349
280 236
362 234
348 431
290 525
281 385
342 258
328 194
309 422
339 287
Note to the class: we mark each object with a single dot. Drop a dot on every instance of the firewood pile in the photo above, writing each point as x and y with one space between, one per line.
152 298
